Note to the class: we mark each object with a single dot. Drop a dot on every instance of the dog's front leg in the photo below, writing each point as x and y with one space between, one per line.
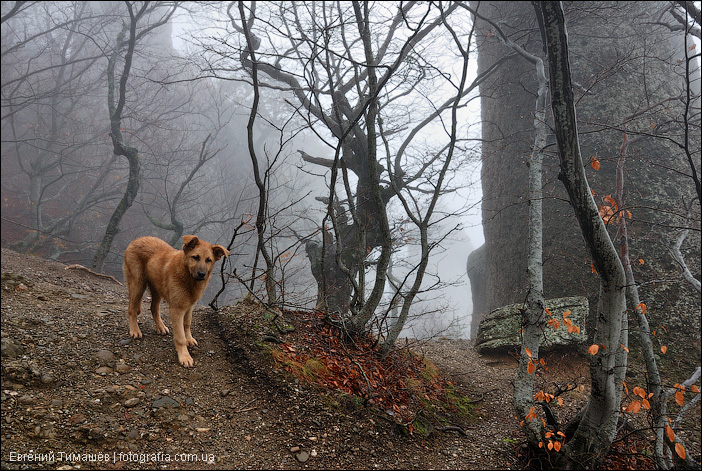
187 320
181 343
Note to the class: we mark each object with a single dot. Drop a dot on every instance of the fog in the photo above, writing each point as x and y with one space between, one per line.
187 94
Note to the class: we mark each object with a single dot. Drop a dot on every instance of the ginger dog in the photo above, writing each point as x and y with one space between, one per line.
178 276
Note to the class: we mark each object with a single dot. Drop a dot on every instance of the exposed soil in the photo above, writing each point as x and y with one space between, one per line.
78 393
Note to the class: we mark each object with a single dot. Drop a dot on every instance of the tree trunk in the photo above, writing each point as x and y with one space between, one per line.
118 145
598 426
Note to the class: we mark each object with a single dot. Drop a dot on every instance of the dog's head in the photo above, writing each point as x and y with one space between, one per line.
200 256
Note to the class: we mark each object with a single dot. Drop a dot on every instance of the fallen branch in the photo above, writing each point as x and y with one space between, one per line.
75 266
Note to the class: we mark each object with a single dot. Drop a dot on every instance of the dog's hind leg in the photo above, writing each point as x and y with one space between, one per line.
155 312
136 282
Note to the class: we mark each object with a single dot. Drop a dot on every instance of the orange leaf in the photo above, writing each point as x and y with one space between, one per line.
592 266
679 398
566 314
646 404
634 407
669 433
593 349
694 388
611 201
627 350
531 368
557 446
680 450
531 414
628 213
549 434
595 164
528 352
560 401
664 349
642 306
550 445
641 261
541 444
639 391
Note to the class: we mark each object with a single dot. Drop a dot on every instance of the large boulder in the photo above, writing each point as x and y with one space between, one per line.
499 331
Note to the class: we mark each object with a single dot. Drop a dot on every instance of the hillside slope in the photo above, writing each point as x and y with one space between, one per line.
77 392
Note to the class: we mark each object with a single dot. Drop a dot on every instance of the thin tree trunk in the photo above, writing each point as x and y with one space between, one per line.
269 280
118 145
597 428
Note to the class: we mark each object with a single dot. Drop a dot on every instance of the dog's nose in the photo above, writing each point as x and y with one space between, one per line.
201 275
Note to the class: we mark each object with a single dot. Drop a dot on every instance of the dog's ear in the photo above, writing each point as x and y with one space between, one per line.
218 251
189 243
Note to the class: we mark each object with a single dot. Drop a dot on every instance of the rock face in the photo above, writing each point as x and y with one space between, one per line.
475 267
499 331
653 192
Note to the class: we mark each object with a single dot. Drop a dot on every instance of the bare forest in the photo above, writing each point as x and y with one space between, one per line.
402 169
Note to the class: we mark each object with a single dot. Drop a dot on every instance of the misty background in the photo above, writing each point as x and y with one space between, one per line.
187 101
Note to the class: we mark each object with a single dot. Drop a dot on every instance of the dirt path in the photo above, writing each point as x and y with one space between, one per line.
78 393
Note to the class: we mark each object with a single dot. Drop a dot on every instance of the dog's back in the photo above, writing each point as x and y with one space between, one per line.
140 251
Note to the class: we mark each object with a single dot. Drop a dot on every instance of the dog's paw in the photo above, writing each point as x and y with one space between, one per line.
135 333
191 342
186 361
162 329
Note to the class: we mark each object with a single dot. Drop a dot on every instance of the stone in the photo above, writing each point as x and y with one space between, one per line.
104 370
131 402
105 358
302 456
500 330
165 401
11 348
47 378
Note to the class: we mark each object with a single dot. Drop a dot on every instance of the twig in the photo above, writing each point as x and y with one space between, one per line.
245 408
81 267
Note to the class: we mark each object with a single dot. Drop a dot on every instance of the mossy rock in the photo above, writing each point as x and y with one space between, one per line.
500 331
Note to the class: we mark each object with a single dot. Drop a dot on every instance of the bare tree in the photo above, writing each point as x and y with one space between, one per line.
597 427
351 73
48 82
116 107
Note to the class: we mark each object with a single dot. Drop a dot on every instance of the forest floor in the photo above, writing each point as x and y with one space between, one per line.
78 393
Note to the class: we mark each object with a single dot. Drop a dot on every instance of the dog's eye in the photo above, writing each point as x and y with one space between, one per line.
196 258
208 260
